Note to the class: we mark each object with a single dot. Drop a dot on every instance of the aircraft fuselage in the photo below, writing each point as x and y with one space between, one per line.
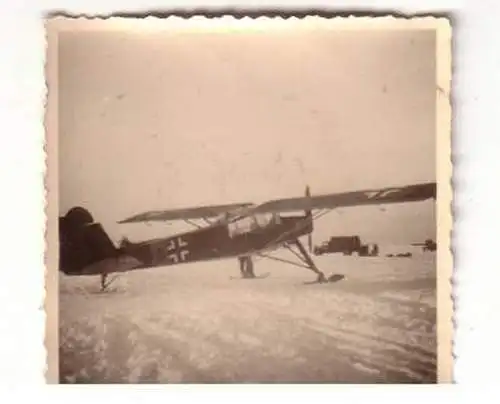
81 248
218 241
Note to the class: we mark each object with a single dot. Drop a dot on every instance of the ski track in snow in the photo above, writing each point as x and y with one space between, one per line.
191 323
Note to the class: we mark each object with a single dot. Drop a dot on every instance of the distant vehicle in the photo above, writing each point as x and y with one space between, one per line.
346 245
400 255
427 245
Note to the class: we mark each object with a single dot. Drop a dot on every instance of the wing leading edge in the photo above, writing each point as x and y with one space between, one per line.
199 212
410 193
399 194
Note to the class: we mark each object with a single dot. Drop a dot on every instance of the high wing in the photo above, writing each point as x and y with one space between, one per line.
410 193
401 194
199 212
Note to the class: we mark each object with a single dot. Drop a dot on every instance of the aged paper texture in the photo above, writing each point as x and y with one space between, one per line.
253 200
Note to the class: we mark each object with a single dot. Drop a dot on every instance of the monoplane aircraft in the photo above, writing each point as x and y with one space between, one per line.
231 230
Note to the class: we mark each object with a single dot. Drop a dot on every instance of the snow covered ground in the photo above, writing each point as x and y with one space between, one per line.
193 323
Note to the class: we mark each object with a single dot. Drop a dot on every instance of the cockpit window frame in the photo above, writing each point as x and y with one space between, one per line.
238 224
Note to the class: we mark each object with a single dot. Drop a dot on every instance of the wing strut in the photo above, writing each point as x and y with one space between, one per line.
193 224
289 248
303 256
281 260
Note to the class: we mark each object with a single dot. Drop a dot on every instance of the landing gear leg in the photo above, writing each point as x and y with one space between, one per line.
104 285
241 261
310 262
249 270
246 267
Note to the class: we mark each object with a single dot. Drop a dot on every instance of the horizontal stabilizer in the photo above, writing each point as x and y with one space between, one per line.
110 265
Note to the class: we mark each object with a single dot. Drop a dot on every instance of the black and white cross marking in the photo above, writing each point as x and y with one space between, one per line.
382 194
177 249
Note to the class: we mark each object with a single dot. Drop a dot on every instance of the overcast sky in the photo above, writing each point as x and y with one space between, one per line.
152 121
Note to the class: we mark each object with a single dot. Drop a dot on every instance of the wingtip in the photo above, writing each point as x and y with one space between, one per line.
125 221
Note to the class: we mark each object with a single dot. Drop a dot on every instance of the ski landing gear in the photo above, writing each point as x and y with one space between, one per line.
303 256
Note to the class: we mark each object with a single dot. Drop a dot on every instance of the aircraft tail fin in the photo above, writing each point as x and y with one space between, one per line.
82 242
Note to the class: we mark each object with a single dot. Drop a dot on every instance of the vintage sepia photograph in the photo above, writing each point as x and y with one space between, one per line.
256 200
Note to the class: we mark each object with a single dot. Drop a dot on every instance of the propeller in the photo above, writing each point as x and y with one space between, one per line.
309 213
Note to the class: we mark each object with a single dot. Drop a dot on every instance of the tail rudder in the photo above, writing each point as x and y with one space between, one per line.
82 242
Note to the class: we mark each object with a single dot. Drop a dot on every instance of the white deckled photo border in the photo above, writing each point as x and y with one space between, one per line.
443 147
